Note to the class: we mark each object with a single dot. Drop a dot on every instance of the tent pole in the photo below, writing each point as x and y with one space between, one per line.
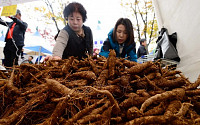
39 55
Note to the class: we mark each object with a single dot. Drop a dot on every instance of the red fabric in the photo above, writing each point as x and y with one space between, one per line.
10 32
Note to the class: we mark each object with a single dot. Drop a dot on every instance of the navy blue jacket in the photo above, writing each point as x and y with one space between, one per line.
19 30
128 50
141 51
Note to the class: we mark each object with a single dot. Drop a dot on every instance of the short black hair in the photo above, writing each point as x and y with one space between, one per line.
31 57
75 7
142 40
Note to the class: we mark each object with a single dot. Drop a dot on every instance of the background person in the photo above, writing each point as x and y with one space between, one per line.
30 58
75 39
14 39
96 52
142 48
121 39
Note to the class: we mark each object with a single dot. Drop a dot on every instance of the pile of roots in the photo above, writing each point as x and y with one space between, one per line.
97 91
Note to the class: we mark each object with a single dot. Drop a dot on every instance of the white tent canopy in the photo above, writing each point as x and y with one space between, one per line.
32 40
182 16
2 44
12 2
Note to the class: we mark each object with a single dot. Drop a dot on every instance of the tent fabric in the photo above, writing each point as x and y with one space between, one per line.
38 49
182 16
37 34
2 38
2 44
33 42
13 2
30 52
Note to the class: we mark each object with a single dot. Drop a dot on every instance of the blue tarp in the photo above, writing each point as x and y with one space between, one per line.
37 34
2 38
38 49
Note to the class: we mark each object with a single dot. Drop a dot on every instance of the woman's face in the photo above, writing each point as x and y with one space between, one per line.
75 21
121 34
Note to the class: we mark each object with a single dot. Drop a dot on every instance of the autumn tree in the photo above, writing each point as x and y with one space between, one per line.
143 15
54 10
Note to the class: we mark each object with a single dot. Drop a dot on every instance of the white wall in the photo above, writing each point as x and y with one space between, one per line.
183 17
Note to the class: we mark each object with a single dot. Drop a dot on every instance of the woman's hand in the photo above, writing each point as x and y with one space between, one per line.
47 58
56 58
52 58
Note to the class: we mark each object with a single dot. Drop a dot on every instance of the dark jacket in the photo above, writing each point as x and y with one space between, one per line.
18 32
141 51
128 50
78 46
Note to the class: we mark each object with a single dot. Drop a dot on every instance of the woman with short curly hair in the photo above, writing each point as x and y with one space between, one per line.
75 39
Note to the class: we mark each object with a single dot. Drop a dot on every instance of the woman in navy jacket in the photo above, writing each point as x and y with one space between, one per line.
121 39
